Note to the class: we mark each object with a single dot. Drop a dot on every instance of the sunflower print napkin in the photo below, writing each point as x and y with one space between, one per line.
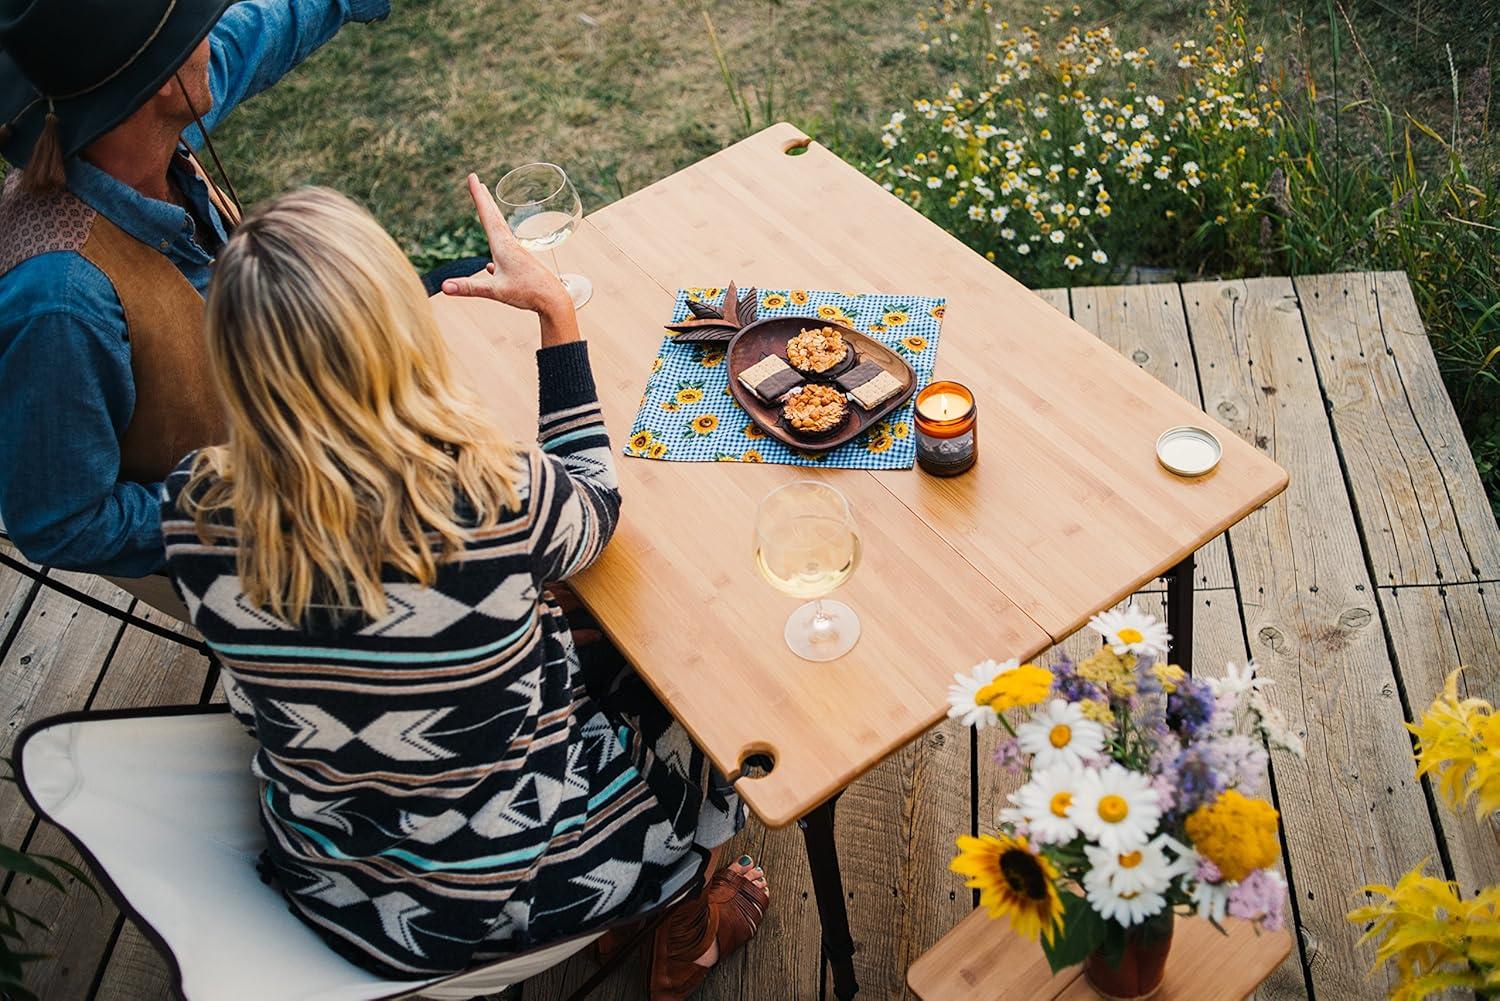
688 414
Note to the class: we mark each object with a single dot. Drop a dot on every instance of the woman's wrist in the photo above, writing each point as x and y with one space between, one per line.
558 320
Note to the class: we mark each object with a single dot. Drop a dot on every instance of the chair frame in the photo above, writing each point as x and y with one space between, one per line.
644 922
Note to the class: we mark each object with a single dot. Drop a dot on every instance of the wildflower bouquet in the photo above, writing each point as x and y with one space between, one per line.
1140 799
1436 939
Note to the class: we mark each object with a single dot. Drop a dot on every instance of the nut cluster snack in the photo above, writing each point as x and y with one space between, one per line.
815 409
816 350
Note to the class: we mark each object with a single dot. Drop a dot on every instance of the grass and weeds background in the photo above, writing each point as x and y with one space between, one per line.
1384 142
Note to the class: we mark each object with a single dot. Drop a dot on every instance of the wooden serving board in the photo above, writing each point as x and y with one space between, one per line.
769 337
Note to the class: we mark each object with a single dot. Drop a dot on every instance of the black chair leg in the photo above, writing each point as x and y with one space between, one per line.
828 887
1180 612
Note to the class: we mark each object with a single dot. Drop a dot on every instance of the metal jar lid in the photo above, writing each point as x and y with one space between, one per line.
1188 450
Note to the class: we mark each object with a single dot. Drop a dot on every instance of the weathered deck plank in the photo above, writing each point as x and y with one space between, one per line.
1425 516
1434 630
1314 626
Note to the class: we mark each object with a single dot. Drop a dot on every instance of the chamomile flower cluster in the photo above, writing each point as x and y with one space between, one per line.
1042 158
1142 790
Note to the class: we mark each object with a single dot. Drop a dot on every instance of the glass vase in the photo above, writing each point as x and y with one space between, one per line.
1142 966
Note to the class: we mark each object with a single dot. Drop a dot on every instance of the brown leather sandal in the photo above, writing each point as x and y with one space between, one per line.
684 934
741 906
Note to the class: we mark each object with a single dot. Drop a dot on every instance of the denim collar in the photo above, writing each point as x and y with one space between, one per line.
167 227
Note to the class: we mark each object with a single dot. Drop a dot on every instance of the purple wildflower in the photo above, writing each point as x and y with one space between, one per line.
1244 763
1260 897
1200 776
1191 708
1068 686
1207 871
1008 755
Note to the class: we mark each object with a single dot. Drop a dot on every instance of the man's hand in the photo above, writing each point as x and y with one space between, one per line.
515 277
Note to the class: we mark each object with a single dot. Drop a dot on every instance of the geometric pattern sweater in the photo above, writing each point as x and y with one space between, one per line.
441 785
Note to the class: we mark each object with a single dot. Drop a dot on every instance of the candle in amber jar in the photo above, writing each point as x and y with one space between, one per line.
947 429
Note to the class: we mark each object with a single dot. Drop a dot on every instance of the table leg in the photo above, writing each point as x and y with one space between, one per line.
1180 612
828 888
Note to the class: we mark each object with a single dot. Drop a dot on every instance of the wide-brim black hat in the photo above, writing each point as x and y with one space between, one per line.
91 62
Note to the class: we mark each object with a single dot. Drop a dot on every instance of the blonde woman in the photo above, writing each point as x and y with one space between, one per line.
443 779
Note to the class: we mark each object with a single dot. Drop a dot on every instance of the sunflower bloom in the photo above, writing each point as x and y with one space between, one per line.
1013 881
1235 833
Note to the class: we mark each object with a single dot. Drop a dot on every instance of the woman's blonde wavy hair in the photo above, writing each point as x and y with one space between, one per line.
351 446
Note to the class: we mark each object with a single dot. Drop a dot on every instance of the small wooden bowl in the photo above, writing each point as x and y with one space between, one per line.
769 337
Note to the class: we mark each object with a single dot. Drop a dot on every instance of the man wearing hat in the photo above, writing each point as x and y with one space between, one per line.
108 231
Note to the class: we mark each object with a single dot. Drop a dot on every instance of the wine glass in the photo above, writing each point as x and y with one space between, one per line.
541 206
806 545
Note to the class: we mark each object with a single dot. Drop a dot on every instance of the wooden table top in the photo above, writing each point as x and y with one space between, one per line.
982 958
1067 511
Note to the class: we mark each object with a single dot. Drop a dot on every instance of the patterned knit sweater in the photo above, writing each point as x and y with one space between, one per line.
439 786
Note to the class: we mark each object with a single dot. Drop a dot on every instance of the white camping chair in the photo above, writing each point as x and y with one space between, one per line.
162 805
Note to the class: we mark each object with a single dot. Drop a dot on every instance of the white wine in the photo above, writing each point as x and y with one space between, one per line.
809 556
544 230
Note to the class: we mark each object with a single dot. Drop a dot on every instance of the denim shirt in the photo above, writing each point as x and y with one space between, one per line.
66 389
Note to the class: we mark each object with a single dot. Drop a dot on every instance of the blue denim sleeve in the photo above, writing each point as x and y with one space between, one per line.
257 42
68 392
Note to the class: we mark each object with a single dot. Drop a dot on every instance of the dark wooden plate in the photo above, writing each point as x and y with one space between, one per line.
769 337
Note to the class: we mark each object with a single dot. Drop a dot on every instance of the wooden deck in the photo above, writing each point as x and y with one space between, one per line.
1376 573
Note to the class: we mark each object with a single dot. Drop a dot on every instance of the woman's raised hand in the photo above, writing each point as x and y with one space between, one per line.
515 277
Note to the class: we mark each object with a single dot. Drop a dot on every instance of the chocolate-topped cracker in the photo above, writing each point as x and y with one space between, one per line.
770 378
859 374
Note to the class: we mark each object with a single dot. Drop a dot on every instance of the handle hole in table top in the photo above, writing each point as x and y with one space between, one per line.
796 147
757 761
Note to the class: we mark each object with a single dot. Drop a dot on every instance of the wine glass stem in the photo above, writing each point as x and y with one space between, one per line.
822 623
556 268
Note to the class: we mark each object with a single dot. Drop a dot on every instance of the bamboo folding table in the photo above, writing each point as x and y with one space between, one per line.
1066 513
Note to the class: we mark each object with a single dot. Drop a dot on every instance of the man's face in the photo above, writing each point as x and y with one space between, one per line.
194 76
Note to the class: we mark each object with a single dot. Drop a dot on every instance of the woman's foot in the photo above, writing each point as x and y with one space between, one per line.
698 933
743 869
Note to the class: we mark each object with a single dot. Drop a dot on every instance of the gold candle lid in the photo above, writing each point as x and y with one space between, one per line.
1188 450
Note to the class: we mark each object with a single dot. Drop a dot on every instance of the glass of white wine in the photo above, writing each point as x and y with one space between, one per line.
542 207
806 545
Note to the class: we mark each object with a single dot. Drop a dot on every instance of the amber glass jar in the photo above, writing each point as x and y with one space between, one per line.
947 422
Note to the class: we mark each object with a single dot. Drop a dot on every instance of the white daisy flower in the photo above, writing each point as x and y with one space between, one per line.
1116 808
1132 631
1060 734
1237 681
1099 257
1128 907
1057 236
1211 900
1045 805
976 213
1023 249
999 212
1148 869
962 702
934 182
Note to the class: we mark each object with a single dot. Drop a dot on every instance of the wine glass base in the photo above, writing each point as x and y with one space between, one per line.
827 643
580 289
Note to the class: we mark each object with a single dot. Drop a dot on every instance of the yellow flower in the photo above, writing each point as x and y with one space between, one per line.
774 300
877 328
1098 711
879 443
1169 676
671 406
704 423
1433 937
1458 740
711 358
656 365
914 343
1026 685
753 431
725 457
895 318
657 450
1235 833
832 313
751 455
688 395
640 440
1109 669
900 430
938 311
1013 881
799 297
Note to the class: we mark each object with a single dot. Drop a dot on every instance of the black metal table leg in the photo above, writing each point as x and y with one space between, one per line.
1180 612
828 888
